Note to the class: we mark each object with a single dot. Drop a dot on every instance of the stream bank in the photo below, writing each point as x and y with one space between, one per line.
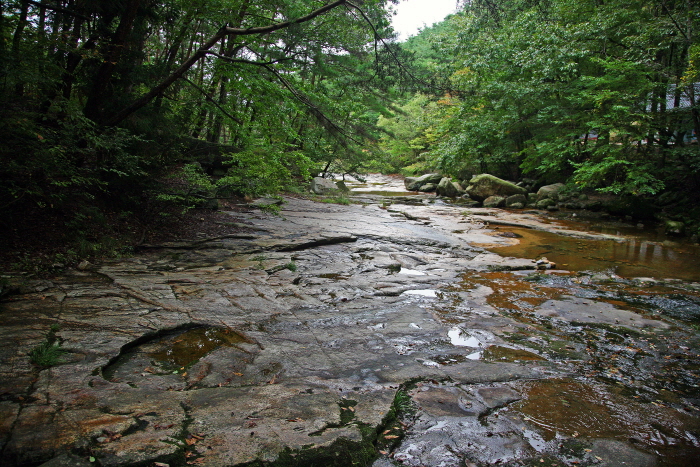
395 331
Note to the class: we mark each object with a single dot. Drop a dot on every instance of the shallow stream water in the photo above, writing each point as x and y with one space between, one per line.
624 322
402 327
641 254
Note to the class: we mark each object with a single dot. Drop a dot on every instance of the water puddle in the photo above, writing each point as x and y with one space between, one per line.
469 338
389 194
171 352
497 353
429 293
412 272
460 338
634 257
510 291
572 409
184 349
334 276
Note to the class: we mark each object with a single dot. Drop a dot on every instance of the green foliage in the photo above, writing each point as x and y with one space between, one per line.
600 95
340 199
49 352
57 163
187 188
284 105
410 131
273 209
260 172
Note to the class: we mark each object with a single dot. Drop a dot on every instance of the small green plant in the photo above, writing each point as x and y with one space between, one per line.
49 352
273 209
403 403
340 199
259 259
291 266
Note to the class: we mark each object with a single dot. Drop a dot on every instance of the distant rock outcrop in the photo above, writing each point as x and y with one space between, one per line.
415 183
486 185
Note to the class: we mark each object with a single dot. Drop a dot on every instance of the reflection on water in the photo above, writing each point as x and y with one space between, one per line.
429 293
188 347
634 257
497 353
565 407
463 339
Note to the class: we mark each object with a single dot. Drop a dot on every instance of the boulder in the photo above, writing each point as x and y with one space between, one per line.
494 202
543 264
516 201
485 185
545 203
414 184
323 186
428 187
550 191
674 227
448 188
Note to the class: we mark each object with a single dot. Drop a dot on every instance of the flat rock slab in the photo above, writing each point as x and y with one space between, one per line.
293 341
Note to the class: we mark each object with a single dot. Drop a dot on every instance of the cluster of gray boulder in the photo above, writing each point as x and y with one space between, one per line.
489 191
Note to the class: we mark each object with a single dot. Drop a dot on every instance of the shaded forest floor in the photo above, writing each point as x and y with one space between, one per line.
43 244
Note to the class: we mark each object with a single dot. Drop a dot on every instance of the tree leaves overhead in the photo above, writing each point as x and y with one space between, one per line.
273 76
604 94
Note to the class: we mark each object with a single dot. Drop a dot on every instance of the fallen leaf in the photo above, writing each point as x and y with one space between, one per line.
238 374
391 436
163 427
190 441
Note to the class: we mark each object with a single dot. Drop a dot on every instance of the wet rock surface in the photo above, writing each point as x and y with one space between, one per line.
381 333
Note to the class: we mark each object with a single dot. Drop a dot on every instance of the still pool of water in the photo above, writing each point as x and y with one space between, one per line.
570 408
428 293
188 347
633 257
172 351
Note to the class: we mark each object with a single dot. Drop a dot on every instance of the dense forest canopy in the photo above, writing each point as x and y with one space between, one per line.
102 99
601 93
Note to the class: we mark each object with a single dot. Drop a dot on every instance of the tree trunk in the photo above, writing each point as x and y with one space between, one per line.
94 108
16 40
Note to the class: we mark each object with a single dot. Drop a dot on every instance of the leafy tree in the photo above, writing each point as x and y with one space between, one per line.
603 94
98 96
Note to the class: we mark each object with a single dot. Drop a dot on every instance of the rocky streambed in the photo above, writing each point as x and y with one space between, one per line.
386 332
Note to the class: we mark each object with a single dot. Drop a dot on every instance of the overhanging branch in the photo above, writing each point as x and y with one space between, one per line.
209 98
204 49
